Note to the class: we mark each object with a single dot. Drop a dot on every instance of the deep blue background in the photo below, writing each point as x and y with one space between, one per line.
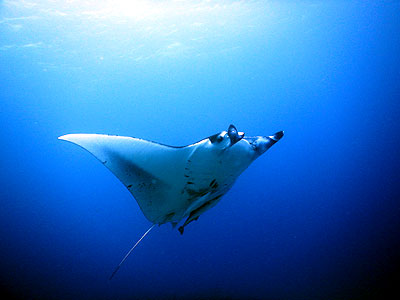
316 217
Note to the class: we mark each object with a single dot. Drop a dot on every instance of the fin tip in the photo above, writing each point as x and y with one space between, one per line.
64 137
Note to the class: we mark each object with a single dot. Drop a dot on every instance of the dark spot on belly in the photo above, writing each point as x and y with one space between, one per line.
189 182
129 186
196 193
214 184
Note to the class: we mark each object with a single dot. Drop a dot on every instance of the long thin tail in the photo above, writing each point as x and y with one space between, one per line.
126 256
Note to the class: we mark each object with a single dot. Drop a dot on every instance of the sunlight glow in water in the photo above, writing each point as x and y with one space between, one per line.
136 10
315 218
133 30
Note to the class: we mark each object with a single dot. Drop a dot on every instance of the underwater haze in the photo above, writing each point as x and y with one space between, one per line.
316 217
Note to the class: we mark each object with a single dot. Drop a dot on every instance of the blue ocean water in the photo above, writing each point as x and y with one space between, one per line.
316 217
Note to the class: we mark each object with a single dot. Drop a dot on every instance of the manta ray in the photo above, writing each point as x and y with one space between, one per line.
173 183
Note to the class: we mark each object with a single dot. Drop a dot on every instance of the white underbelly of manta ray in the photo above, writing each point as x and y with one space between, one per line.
175 183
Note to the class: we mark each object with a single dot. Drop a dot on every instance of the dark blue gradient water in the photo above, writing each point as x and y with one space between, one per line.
316 217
